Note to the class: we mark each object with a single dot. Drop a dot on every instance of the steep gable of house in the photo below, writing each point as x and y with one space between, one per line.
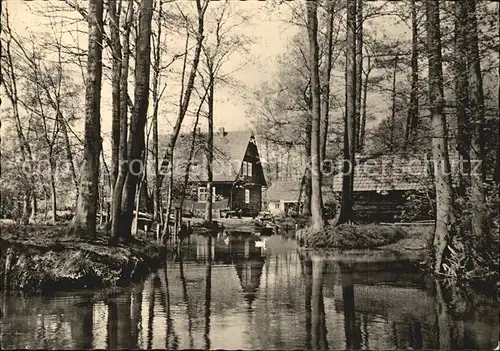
230 149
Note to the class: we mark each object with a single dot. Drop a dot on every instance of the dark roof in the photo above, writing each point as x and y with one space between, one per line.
386 173
283 190
229 150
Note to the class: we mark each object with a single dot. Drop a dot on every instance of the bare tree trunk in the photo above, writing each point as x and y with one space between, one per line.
156 105
444 196
11 91
101 203
53 192
123 165
461 94
166 228
86 209
105 172
362 127
69 154
33 206
168 163
476 105
201 9
210 145
135 225
26 208
138 116
325 109
316 198
349 117
359 69
412 119
191 152
393 109
46 204
496 175
306 182
114 9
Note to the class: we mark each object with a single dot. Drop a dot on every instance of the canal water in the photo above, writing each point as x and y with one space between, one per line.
238 293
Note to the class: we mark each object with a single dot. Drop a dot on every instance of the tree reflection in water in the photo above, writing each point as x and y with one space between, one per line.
186 297
151 311
373 310
319 337
307 273
112 325
315 316
136 312
208 291
171 339
351 326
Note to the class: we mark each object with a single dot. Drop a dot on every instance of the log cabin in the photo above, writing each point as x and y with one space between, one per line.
384 185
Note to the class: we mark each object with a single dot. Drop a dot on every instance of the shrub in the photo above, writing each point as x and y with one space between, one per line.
472 259
302 221
348 236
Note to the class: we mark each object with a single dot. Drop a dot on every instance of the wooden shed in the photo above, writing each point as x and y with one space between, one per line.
383 186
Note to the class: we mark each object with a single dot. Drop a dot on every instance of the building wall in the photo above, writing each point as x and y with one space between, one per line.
255 204
388 207
274 207
281 207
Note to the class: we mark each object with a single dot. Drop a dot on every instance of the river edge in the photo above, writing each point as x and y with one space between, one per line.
42 259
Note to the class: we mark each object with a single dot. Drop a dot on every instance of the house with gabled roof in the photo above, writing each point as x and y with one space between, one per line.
238 175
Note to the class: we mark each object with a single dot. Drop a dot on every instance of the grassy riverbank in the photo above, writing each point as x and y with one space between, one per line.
368 236
41 259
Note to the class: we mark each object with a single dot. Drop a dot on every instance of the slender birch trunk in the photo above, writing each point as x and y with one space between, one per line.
138 117
86 209
123 165
359 69
210 146
412 118
477 110
349 117
442 174
316 197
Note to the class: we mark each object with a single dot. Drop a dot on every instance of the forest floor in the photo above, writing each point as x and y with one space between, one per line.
46 258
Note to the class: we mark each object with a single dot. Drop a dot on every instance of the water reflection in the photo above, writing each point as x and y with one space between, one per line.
352 326
232 294
208 292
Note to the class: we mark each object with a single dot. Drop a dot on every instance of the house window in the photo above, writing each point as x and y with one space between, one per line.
277 205
247 196
202 193
246 169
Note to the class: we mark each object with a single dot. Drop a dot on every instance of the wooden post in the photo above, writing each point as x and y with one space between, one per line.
176 223
158 231
101 209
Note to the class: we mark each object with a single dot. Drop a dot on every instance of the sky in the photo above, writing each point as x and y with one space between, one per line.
266 25
265 28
